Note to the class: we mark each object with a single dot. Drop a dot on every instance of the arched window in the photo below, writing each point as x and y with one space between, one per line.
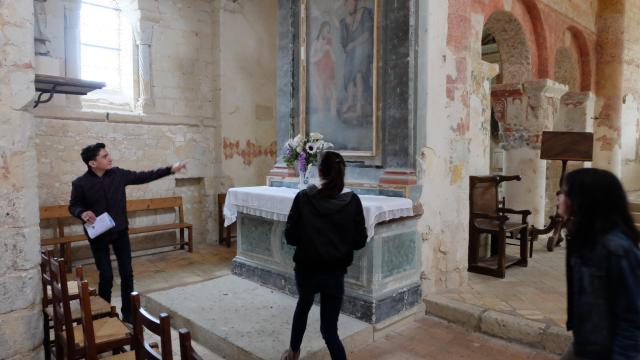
107 52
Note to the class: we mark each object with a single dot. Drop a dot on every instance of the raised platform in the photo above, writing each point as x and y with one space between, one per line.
239 319
360 307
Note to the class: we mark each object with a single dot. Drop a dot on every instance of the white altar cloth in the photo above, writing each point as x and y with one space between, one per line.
275 202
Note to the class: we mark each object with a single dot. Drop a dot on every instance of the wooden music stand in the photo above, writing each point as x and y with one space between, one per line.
564 146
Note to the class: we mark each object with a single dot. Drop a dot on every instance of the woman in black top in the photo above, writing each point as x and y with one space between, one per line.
603 267
325 225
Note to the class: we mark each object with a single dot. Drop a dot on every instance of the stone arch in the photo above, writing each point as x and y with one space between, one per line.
584 57
540 37
515 55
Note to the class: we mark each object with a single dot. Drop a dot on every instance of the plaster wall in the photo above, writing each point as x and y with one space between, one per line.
248 94
444 157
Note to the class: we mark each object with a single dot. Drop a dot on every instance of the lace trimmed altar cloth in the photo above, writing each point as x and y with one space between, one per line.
275 202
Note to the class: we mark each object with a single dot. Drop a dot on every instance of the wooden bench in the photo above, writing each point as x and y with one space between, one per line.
60 213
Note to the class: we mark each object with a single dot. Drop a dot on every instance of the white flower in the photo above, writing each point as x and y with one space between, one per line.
312 147
314 136
323 145
297 140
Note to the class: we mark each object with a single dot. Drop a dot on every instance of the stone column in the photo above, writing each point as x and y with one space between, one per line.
143 19
480 119
609 69
72 62
523 113
630 126
20 289
72 38
144 37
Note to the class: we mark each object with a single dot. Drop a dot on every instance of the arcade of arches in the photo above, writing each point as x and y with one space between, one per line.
469 85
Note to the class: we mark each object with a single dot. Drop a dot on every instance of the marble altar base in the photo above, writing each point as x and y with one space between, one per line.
383 281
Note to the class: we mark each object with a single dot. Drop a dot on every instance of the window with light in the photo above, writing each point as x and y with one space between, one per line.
106 54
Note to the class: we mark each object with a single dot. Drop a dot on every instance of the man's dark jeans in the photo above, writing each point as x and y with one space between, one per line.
122 249
331 289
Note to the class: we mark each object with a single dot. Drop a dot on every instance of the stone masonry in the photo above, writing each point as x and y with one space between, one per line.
20 290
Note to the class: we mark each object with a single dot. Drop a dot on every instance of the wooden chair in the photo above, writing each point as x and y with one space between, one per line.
186 350
89 330
100 308
162 327
109 332
47 317
488 217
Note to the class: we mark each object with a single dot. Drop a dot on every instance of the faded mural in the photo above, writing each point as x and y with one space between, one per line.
340 67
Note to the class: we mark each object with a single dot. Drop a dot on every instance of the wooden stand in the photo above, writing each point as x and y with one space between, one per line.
564 146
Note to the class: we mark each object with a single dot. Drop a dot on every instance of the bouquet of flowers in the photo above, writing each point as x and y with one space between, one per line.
304 150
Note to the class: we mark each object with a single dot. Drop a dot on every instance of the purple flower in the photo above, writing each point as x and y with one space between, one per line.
302 166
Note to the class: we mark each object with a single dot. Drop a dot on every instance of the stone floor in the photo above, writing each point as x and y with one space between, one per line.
537 292
424 338
167 270
432 339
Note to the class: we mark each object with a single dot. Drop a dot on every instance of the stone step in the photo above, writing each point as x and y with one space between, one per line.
553 339
239 319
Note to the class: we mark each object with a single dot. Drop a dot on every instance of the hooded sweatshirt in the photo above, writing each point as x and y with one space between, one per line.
325 230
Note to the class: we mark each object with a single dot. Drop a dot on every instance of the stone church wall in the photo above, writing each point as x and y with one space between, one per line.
181 121
20 289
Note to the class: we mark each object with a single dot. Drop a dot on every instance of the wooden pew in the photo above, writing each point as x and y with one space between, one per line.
60 214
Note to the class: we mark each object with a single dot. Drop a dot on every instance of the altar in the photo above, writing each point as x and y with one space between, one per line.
384 279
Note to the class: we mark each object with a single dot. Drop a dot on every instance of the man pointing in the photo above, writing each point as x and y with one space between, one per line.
101 189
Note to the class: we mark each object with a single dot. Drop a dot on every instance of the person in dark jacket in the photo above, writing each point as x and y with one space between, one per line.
325 225
603 267
102 189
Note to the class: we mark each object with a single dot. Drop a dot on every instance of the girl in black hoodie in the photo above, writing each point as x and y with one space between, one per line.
325 225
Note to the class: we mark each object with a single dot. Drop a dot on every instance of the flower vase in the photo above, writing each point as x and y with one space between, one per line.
313 175
303 181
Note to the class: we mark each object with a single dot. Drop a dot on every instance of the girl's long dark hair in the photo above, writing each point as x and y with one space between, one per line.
332 173
598 205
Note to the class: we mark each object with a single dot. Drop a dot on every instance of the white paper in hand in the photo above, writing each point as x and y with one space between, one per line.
103 223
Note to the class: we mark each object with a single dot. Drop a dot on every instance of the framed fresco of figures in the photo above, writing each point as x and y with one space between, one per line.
339 72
